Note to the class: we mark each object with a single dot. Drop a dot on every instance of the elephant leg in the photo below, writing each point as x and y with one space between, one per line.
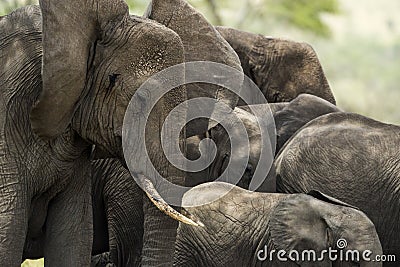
123 203
13 222
69 230
102 260
159 233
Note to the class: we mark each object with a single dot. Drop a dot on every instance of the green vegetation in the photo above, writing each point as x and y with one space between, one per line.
364 75
7 6
303 14
35 263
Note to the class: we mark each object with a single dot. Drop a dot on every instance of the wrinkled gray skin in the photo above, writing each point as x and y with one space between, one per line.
118 217
117 213
354 159
237 225
241 223
220 137
282 69
81 73
202 42
289 118
298 113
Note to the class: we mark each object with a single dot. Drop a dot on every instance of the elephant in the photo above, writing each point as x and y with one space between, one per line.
238 227
221 138
289 117
282 69
244 228
117 214
352 158
118 217
68 72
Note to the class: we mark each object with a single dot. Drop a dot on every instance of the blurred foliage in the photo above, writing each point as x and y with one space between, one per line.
364 75
33 263
302 14
6 6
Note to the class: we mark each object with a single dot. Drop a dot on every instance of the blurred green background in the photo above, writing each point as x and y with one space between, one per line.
358 43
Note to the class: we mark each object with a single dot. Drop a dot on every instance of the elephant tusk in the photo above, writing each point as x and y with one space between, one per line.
160 203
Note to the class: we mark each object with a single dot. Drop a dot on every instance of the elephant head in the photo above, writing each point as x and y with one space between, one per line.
222 140
318 222
298 113
289 118
282 69
246 228
95 57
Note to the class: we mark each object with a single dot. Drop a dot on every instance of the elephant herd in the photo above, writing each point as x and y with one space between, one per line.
69 70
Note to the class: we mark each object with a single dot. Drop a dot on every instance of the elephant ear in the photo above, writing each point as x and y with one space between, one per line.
282 69
70 29
296 224
202 42
318 195
242 42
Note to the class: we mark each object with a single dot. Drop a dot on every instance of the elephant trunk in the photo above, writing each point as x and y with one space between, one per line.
377 251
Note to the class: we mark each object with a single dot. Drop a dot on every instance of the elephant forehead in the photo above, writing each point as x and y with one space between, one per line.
229 199
138 50
217 192
206 193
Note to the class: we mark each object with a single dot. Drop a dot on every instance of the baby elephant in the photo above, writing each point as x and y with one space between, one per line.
244 228
289 117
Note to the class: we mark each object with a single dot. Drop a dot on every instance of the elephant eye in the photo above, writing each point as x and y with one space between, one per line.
112 79
249 168
275 97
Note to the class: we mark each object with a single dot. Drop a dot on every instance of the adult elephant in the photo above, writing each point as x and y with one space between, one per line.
245 228
81 73
282 69
354 159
